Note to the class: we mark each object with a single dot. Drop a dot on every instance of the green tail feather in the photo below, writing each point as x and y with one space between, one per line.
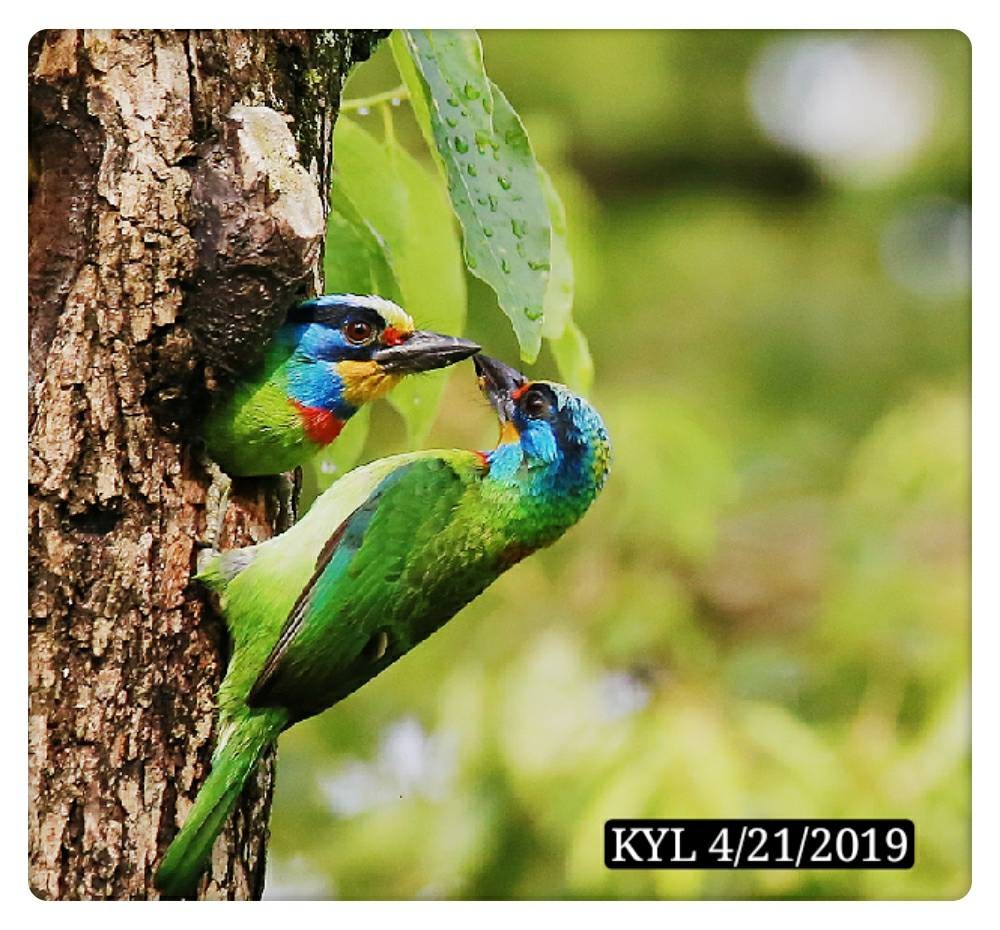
234 760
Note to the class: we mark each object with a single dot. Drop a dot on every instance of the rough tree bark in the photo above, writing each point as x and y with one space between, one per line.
177 209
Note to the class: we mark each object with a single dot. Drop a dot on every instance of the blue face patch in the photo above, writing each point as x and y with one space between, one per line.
312 378
558 449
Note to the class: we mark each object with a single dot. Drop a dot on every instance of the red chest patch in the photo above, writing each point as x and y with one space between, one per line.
321 426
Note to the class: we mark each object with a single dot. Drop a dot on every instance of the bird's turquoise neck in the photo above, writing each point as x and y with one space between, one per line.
553 485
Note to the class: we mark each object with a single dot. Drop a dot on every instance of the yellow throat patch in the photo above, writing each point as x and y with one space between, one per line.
365 381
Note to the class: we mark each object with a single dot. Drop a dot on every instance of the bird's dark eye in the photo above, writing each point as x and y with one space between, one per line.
534 404
358 331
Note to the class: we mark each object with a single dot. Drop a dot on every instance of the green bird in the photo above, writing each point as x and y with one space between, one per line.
333 354
385 557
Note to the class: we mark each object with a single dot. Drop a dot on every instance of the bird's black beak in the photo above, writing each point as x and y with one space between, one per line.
498 381
424 351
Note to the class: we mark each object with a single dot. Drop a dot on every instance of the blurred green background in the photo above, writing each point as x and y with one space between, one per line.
766 614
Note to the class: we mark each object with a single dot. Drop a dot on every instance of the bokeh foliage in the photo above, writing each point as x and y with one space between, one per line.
767 611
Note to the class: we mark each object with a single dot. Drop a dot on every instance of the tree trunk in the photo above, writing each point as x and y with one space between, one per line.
177 209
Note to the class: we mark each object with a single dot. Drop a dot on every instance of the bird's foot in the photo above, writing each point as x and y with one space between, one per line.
205 555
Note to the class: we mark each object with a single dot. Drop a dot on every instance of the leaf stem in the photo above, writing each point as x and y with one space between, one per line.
388 129
386 96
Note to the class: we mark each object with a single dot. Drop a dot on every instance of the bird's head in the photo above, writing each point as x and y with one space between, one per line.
547 433
350 349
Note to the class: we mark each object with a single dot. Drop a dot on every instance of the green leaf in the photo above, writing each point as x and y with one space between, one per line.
411 78
566 339
491 171
406 209
355 260
559 293
572 355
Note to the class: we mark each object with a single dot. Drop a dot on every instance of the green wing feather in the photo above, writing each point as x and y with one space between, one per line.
287 555
352 618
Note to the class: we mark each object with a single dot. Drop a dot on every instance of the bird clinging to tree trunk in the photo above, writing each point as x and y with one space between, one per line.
332 355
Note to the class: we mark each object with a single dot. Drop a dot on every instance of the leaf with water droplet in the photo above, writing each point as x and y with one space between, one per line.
498 163
543 251
461 145
451 121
